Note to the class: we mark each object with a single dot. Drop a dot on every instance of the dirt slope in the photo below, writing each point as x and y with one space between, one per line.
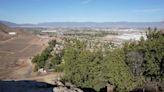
4 30
16 52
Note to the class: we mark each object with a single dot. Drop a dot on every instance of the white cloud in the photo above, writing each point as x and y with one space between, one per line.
147 10
86 1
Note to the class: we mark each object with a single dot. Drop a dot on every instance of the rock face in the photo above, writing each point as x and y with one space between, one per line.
65 87
110 88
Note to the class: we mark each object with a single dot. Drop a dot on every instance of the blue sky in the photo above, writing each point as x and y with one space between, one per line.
35 11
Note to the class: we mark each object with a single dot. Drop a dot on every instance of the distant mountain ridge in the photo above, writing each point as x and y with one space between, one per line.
11 24
89 24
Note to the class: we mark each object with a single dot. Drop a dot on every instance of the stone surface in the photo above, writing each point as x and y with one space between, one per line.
66 89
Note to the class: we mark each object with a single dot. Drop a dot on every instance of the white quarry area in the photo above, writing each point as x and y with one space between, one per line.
131 36
126 34
121 29
48 31
12 33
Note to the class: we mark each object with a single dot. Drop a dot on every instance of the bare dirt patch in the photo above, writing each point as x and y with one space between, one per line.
15 55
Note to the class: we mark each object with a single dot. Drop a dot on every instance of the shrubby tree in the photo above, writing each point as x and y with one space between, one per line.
94 69
56 59
52 43
118 73
150 56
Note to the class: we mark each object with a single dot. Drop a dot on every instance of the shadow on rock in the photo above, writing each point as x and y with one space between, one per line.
25 86
88 90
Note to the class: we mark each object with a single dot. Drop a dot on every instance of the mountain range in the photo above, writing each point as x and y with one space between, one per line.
89 24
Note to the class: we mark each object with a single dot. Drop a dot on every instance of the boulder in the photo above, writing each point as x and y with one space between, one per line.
66 89
58 83
110 88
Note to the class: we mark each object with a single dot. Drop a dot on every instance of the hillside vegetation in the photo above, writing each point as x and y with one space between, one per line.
126 67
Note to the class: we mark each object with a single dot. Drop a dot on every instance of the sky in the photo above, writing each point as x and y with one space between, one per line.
36 11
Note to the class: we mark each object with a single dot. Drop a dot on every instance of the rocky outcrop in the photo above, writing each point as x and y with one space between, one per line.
65 87
110 88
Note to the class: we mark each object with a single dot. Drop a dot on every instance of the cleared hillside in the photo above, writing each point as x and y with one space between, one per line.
16 51
4 32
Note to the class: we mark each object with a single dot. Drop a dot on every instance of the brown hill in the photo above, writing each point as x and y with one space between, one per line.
16 52
4 32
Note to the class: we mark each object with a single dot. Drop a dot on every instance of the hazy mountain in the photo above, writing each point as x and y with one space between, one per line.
90 24
162 21
11 24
